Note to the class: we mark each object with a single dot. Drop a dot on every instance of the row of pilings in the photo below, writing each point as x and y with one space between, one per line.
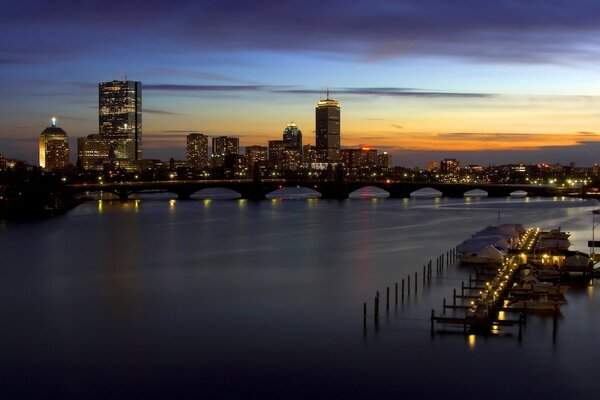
402 289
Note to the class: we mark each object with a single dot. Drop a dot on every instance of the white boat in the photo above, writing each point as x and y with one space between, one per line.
530 283
539 304
486 255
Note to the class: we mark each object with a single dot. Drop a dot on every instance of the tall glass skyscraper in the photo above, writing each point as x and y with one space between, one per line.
197 150
327 130
120 117
292 136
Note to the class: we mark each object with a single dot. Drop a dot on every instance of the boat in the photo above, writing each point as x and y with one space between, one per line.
531 284
486 255
541 303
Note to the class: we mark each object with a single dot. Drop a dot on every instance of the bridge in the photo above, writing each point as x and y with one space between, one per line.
258 190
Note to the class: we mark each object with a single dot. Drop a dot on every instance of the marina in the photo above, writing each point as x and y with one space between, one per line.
517 272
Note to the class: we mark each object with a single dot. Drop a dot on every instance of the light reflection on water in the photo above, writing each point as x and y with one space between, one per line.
269 295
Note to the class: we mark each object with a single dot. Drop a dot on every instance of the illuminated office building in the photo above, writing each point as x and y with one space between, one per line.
197 151
292 136
223 146
327 130
93 151
120 117
256 155
53 148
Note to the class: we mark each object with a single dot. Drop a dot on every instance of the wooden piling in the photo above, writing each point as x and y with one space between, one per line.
402 288
444 311
423 275
376 310
416 281
396 293
432 320
387 299
364 313
454 297
408 284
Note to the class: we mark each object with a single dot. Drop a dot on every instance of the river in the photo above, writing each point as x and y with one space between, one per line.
159 298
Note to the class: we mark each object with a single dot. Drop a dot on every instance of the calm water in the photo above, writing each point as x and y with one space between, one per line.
234 299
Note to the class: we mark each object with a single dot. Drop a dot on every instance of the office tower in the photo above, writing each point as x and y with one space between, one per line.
256 155
292 136
53 147
223 146
120 117
92 151
384 160
276 148
364 157
327 130
309 154
197 151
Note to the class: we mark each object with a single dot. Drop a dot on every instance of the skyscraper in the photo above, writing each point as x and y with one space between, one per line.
327 130
223 146
120 117
197 151
292 136
54 147
93 151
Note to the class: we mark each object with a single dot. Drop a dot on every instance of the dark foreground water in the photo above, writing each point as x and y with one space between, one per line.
234 299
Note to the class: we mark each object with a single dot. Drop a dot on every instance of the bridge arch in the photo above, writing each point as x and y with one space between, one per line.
426 192
215 193
519 193
295 192
476 193
367 192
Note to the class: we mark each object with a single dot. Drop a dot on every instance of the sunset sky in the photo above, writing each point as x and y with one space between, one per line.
482 81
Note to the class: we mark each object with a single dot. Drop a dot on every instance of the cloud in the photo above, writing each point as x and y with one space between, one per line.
389 92
196 74
397 126
160 112
202 88
499 31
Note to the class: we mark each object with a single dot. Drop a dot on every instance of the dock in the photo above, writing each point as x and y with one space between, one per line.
487 294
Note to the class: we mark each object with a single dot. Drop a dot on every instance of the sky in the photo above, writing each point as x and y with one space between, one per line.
486 82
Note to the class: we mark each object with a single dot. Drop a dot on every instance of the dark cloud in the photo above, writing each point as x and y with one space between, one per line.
204 88
533 31
160 112
397 126
391 92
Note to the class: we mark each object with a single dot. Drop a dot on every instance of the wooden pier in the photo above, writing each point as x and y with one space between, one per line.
486 295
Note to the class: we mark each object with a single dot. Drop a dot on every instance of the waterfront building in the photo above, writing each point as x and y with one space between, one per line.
120 117
223 146
384 160
2 163
93 151
433 166
53 147
359 159
197 151
256 155
276 148
327 130
449 165
234 166
292 136
310 154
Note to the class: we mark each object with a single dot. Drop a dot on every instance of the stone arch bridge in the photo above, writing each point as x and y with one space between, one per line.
257 190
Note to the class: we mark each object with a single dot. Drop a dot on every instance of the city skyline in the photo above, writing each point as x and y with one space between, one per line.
494 83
